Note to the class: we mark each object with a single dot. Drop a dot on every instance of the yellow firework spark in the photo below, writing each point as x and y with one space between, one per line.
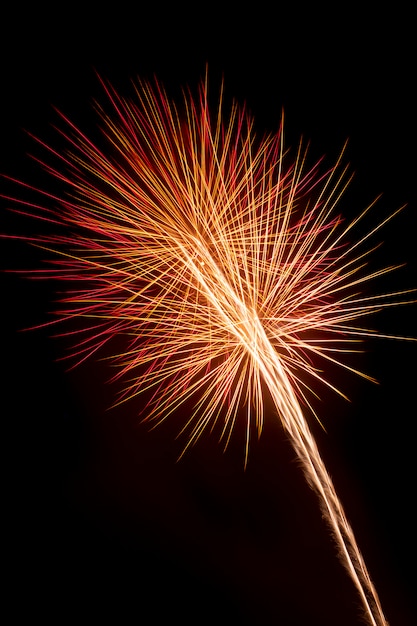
223 264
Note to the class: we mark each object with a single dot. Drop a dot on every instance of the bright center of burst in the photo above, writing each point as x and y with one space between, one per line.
239 318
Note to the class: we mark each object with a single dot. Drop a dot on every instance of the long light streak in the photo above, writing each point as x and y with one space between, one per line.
224 267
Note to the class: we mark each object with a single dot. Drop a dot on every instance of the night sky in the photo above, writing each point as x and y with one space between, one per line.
103 523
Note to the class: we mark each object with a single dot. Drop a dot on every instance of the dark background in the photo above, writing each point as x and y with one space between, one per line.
102 521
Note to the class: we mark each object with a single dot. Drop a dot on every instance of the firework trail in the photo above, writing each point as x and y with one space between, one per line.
223 266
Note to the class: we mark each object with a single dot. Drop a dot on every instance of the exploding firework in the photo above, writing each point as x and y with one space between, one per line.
223 265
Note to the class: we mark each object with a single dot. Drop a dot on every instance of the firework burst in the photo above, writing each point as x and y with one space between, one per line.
222 264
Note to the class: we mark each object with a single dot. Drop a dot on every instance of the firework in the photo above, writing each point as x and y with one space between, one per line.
221 263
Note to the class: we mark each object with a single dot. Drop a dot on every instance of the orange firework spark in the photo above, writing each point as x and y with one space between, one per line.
224 267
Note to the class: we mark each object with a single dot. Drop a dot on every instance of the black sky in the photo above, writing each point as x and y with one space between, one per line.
103 522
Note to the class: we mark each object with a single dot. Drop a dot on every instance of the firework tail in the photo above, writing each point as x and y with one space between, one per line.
316 474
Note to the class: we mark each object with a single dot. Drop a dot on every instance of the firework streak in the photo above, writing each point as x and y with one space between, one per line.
223 267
